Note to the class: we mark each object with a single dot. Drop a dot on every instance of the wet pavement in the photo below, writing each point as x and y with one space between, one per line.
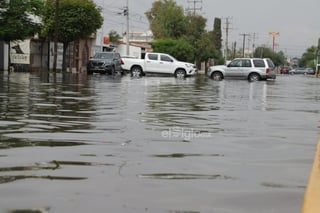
78 143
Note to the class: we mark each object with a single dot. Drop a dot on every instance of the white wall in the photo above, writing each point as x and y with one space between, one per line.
133 51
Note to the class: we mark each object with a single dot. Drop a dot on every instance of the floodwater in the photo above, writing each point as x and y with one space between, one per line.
78 143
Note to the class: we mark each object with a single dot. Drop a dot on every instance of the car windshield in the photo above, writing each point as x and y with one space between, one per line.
103 55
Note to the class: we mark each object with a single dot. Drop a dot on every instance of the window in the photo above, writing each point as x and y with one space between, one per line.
270 63
106 55
235 63
165 58
117 56
246 63
258 63
153 57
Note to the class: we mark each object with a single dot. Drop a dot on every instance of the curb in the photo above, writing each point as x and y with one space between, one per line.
311 201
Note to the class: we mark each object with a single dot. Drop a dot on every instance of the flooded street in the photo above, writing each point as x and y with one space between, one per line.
78 143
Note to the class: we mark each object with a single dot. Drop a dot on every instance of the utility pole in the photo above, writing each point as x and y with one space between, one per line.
244 42
234 49
195 8
254 37
227 28
317 58
126 13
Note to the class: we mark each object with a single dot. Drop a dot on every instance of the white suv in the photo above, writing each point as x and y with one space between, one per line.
252 69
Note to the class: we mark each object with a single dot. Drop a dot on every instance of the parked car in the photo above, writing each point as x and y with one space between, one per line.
158 63
284 70
252 69
105 62
304 71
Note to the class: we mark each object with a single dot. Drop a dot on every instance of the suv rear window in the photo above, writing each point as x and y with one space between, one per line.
258 63
270 63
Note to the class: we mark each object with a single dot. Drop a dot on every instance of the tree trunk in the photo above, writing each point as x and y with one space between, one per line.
9 57
64 64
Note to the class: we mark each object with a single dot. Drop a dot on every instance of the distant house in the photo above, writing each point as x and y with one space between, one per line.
34 55
139 44
294 62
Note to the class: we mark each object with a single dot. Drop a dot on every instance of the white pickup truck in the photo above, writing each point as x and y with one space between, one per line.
158 63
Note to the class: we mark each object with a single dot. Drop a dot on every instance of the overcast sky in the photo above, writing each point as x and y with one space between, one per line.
297 21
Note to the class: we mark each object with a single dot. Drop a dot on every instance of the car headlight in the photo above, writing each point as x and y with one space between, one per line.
190 65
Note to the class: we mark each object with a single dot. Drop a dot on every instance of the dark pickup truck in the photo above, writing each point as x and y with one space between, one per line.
105 63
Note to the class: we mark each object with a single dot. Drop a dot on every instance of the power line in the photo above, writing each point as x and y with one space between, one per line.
194 8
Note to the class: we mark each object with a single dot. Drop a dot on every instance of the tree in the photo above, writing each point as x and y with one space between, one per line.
206 50
265 52
17 19
180 49
279 58
166 19
217 33
308 57
114 37
78 20
195 27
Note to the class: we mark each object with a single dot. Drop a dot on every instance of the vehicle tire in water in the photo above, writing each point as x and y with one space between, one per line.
217 76
136 71
180 73
254 77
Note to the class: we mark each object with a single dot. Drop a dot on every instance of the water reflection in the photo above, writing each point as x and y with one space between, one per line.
43 102
29 168
153 144
12 142
35 210
182 176
183 155
183 105
12 178
80 163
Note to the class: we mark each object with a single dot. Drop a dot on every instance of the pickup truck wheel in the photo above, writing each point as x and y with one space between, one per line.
217 76
136 71
180 74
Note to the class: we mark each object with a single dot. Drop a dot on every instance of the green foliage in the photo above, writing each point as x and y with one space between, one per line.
195 27
205 48
78 19
166 19
307 59
114 37
180 49
265 52
217 33
18 19
168 23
